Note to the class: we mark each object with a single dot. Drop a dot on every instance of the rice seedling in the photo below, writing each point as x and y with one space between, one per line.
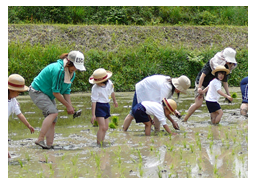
112 125
185 134
20 163
95 123
234 95
74 159
159 172
27 156
211 144
97 160
191 148
181 153
46 157
115 120
226 134
184 143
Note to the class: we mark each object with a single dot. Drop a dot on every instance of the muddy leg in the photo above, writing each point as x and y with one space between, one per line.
47 123
50 134
147 128
127 122
102 129
194 107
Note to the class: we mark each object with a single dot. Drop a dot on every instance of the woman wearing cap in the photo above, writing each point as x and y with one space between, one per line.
55 81
16 85
142 112
224 58
155 88
102 92
214 92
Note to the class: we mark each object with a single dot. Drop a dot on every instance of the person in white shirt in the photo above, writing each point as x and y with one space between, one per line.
102 92
214 92
155 88
142 112
16 85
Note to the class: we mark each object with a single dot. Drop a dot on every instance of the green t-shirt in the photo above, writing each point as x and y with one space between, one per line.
51 79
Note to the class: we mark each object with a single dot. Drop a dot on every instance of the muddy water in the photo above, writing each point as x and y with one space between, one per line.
198 150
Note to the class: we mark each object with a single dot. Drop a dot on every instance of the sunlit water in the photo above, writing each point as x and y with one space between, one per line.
199 149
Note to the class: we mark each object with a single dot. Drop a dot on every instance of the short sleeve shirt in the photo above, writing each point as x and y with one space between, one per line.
102 94
155 109
13 107
212 94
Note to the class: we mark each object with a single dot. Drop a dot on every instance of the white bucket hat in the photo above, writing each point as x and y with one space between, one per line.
229 54
17 83
99 75
182 83
78 60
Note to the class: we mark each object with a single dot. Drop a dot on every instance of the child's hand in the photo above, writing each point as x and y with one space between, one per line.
32 130
200 91
229 98
115 104
93 120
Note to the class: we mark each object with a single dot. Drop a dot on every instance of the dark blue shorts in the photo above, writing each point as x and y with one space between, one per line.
102 110
139 113
212 106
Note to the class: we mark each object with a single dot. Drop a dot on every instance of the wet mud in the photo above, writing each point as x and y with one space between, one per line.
199 150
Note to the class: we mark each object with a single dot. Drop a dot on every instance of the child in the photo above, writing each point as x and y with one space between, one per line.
214 92
16 85
142 112
102 92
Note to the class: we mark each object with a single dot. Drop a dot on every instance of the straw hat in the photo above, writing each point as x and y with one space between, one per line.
220 68
182 83
100 75
229 55
17 83
170 104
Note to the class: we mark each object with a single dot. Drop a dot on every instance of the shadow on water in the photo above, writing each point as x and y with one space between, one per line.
199 149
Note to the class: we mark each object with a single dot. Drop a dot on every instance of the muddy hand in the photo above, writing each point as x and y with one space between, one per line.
176 126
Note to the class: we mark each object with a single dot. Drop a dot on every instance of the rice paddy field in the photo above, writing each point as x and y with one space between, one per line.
198 150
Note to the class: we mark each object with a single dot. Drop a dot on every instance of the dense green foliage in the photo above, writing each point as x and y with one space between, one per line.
129 65
130 15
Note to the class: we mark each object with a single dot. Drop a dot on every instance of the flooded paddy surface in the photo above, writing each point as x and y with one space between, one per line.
199 150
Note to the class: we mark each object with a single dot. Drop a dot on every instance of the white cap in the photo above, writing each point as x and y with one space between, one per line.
78 60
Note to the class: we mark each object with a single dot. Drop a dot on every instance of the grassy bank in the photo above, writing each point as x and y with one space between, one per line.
130 52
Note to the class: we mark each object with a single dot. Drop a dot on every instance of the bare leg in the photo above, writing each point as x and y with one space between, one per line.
103 127
218 117
156 124
50 134
147 128
47 123
194 107
244 109
213 117
127 122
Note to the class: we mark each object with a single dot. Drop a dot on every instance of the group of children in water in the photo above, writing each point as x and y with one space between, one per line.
152 95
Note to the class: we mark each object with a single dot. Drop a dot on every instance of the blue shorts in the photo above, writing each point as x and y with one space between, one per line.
133 104
102 110
212 106
139 113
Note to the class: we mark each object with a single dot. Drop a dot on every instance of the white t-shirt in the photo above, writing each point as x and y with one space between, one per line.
155 109
13 107
102 94
153 88
212 94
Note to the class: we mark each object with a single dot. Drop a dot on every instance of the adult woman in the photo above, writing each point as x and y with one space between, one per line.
155 88
224 58
54 81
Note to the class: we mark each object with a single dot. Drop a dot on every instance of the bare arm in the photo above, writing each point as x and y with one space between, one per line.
175 125
225 95
93 110
114 99
201 80
66 101
225 85
24 120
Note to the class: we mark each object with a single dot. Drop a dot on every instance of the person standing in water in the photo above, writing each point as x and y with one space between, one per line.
214 92
16 85
54 82
102 92
244 90
224 58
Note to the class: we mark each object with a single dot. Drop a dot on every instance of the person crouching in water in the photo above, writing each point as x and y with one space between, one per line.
214 92
142 112
102 92
16 85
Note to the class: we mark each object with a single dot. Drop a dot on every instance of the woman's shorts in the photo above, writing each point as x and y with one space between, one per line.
43 102
139 113
102 110
213 106
133 104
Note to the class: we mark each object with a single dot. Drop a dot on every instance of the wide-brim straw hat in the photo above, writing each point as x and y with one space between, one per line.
100 75
170 104
220 68
17 83
182 83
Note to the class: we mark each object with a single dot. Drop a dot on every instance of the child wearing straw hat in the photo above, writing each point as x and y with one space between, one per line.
16 85
142 112
214 92
102 92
